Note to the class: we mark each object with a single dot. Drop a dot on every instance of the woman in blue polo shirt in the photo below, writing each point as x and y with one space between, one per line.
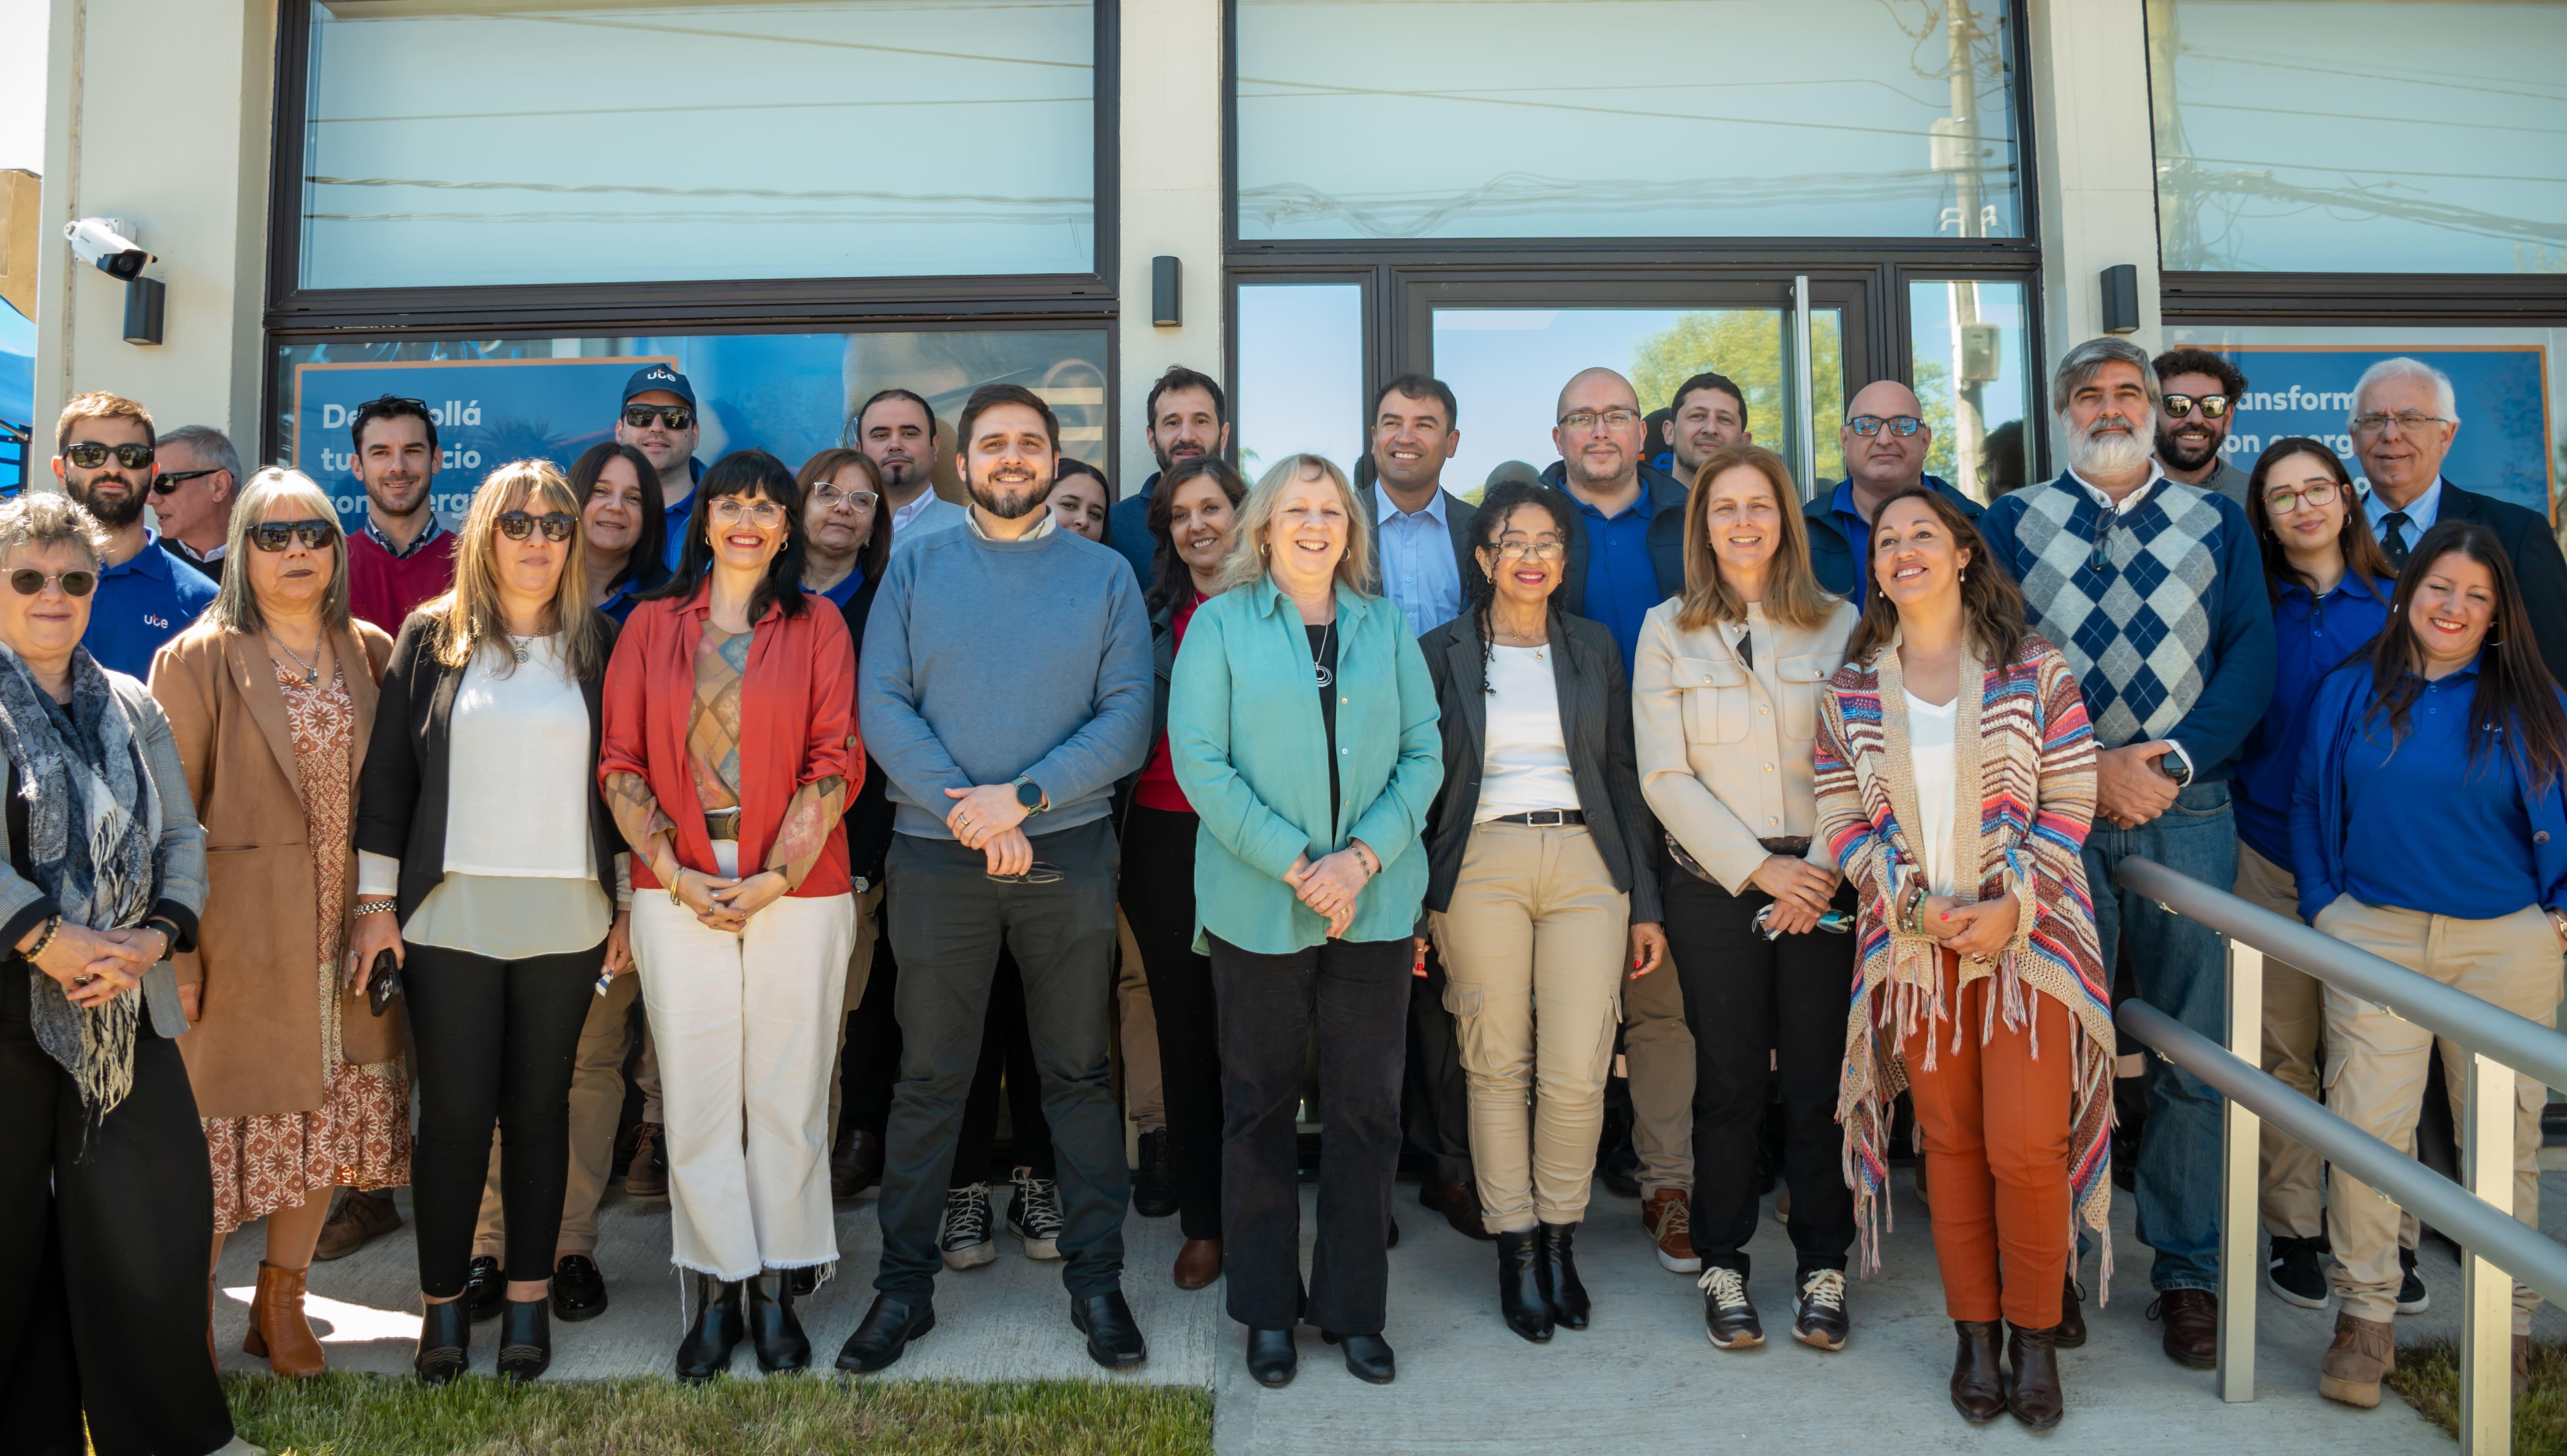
2447 733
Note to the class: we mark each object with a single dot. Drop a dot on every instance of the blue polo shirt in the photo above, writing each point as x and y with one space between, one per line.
141 603
845 590
682 515
1622 581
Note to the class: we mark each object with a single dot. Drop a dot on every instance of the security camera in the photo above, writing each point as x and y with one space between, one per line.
103 243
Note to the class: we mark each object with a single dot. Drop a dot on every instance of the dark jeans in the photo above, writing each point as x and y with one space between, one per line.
1435 1097
103 1237
1347 996
869 1068
1159 900
1006 1045
1747 999
492 1043
949 920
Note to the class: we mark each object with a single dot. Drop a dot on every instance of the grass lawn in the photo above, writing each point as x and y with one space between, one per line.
368 1415
2429 1376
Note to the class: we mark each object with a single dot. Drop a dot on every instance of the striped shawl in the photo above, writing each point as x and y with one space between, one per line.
2025 739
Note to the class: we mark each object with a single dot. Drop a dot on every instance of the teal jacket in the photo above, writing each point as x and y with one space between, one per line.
1248 747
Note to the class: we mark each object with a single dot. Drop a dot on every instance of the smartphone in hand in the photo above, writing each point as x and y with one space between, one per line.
385 983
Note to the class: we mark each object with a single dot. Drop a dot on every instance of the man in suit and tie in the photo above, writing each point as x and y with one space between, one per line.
2405 418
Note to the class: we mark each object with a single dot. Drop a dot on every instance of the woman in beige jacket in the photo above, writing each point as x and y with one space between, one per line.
1724 703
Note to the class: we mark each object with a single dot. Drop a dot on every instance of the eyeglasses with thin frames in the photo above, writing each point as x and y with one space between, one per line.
2283 502
1579 422
2409 421
831 497
729 511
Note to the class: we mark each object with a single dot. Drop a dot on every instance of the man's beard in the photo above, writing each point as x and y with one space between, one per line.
1574 468
1167 459
381 496
899 476
2172 451
1011 507
116 515
2095 452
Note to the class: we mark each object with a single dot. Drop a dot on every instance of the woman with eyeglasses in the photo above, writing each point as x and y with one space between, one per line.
846 539
730 752
271 701
622 525
1542 892
488 881
2330 584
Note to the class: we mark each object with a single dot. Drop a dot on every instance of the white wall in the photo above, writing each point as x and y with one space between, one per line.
1170 185
2096 164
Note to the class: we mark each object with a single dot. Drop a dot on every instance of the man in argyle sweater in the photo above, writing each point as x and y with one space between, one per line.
2154 590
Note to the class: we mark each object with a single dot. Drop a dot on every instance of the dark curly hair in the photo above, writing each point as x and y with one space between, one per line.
1480 591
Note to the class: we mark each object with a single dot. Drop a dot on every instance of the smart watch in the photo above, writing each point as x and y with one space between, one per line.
1029 797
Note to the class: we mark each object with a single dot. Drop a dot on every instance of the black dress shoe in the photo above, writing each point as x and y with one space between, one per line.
1154 1187
1520 1296
1113 1339
525 1339
445 1341
856 1163
1369 1357
706 1350
579 1289
1556 1271
778 1337
1978 1377
486 1289
803 1282
1272 1357
886 1330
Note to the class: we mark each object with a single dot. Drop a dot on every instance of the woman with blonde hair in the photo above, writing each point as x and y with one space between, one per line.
1725 696
271 702
488 874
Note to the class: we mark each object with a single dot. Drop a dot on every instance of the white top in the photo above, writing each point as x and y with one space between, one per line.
1525 763
1930 756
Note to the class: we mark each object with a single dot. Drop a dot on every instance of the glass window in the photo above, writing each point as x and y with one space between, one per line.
1971 377
17 399
1300 387
496 401
2359 136
494 142
1402 119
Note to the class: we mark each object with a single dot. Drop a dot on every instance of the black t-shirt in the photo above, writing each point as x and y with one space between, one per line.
1324 658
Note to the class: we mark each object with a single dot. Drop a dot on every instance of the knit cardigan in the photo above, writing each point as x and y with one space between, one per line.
2025 739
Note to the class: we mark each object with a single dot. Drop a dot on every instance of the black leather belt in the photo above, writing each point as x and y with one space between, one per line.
1543 818
1790 846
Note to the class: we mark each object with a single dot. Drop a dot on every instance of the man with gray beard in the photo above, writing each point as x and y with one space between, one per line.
2154 590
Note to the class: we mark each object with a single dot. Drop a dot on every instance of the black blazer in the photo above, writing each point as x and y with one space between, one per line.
2537 565
401 801
869 814
1663 497
1596 710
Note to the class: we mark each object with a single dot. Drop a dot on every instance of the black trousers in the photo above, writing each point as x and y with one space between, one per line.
1007 1045
1748 998
1435 1097
104 1232
491 1044
1349 998
1159 900
950 920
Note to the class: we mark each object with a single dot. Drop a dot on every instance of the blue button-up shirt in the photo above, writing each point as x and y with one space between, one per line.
2312 637
1418 572
140 603
2421 514
2477 819
1621 580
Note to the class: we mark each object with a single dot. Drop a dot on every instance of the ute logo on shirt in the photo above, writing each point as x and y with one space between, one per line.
149 620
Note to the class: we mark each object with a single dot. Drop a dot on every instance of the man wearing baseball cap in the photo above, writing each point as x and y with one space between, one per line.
658 417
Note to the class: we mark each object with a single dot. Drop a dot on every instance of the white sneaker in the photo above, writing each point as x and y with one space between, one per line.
964 1233
1033 1215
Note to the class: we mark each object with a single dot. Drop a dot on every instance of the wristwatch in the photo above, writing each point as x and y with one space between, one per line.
1031 798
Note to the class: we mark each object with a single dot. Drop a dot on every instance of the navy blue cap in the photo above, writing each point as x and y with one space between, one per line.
659 376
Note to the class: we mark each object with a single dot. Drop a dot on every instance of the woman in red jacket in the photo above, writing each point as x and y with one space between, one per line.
729 753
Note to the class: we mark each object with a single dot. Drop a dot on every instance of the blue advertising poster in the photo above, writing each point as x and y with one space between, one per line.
2502 391
17 399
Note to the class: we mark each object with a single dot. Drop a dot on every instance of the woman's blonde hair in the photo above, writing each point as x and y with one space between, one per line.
469 617
1793 595
1247 560
235 607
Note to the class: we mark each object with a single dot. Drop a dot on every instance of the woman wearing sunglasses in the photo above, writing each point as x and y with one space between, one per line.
488 874
730 752
271 696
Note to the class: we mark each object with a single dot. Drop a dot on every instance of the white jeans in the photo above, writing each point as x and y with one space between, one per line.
744 1026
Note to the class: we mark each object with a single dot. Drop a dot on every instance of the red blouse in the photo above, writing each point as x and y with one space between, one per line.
1158 788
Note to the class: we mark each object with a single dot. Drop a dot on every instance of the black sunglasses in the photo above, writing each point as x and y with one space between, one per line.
676 416
171 480
27 581
517 525
89 455
273 535
2213 407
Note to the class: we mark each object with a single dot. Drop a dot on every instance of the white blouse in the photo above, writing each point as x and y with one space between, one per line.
1931 755
1524 764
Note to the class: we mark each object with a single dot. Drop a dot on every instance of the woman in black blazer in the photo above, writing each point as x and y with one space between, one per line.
495 889
1540 852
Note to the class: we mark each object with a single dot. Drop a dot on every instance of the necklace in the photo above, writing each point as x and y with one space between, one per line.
1507 637
517 645
311 669
1318 668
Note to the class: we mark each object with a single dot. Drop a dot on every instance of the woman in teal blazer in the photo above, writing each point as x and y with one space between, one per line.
1305 731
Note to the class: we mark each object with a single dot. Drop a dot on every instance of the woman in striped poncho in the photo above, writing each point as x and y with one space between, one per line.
1980 986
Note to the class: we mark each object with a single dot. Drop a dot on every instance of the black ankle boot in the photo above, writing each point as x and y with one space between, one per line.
1520 1296
1558 1276
527 1339
781 1345
706 1351
444 1340
1272 1357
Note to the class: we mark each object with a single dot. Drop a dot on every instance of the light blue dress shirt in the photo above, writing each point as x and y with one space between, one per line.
1418 572
2421 515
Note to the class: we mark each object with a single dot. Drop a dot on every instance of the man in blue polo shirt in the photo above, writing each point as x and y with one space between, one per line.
658 417
1626 545
1885 438
104 449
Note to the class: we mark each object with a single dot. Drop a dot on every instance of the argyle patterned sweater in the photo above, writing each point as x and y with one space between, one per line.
2172 635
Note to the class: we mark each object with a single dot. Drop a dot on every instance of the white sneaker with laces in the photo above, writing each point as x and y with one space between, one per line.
1033 1215
964 1233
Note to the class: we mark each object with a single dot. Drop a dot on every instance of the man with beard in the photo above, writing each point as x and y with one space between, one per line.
1885 438
897 431
103 455
2154 590
1709 411
2200 393
1626 538
1002 758
1189 416
659 418
404 555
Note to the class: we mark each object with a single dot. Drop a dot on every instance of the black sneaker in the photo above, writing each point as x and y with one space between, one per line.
1033 1215
964 1233
1154 1187
2413 1296
1818 1317
2295 1272
486 1289
1727 1318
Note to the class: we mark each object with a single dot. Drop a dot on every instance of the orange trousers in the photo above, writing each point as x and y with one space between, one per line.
1994 1124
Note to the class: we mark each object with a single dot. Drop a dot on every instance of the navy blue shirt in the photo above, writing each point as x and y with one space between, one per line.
1857 534
845 590
141 603
2312 635
2477 817
680 517
1622 581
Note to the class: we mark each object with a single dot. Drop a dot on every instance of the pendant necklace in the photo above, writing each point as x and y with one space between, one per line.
517 645
311 670
1318 667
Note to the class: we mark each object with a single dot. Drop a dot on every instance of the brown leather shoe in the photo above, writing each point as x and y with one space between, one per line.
2191 1326
643 1177
2034 1396
1669 1215
2363 1351
2072 1316
856 1164
1978 1375
1459 1203
359 1218
1197 1262
277 1329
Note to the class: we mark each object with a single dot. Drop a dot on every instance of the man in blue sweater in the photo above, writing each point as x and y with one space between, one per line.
2154 592
1000 747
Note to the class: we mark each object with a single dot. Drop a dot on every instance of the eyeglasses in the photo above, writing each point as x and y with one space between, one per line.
1530 550
1582 420
89 455
2283 502
1869 425
676 416
273 535
2102 555
731 509
831 497
29 581
169 480
2407 419
1041 874
2212 406
517 525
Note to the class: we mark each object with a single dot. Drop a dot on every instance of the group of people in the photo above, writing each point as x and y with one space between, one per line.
1433 809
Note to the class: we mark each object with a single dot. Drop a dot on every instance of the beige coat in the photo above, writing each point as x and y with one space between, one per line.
256 1045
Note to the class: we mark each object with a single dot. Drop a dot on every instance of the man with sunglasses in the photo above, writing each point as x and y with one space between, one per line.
659 418
1885 438
199 475
2202 391
403 556
105 455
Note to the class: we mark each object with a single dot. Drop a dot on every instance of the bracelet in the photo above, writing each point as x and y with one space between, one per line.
364 907
673 888
53 928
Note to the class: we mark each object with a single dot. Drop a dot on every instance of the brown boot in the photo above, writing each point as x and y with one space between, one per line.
2364 1350
359 1218
277 1329
643 1177
2034 1396
1197 1262
1978 1373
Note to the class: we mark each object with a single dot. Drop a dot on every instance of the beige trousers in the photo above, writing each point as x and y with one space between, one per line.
860 970
2376 1066
1533 949
1145 1101
2290 1175
1657 1055
595 1105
